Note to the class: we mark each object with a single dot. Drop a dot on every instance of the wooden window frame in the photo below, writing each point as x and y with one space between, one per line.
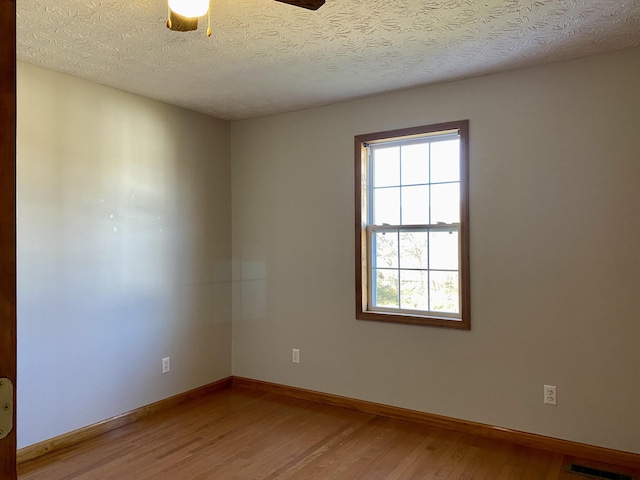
361 230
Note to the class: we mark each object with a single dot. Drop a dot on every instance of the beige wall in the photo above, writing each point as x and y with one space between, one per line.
123 252
555 223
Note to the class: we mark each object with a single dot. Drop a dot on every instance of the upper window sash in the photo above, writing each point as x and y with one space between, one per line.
374 185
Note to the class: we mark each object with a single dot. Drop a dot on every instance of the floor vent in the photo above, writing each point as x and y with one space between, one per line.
595 473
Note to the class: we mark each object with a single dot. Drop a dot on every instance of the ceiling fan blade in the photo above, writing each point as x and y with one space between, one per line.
308 4
181 24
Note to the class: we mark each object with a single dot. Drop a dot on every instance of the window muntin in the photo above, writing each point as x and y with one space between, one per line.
412 225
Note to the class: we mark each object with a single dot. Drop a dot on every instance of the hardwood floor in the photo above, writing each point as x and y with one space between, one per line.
246 434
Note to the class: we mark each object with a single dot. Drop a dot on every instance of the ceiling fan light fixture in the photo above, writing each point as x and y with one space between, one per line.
189 8
183 15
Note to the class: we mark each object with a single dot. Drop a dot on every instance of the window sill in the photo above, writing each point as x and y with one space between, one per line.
413 320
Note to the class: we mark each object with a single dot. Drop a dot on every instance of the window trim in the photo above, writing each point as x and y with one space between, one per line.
361 223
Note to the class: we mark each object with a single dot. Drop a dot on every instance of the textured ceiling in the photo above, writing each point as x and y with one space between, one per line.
266 57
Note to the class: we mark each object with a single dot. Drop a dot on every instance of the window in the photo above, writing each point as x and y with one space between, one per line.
412 225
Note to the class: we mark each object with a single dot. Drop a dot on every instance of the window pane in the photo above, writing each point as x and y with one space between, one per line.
445 203
414 294
386 207
443 250
415 164
444 292
386 166
386 250
415 205
445 161
414 250
386 288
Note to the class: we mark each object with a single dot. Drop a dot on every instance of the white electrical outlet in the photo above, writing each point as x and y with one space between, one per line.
166 365
550 397
295 355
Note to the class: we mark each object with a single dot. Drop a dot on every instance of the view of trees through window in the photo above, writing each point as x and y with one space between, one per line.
402 276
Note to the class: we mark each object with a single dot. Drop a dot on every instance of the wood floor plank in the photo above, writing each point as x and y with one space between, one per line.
555 467
244 434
